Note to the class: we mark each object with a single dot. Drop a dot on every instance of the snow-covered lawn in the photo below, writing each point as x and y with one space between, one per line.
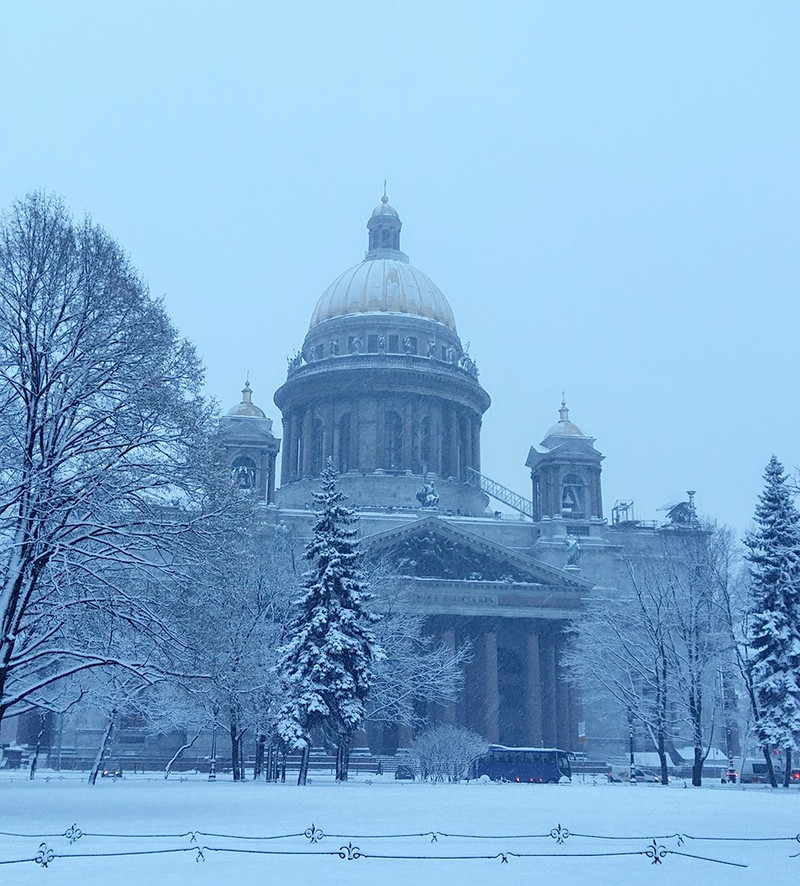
362 808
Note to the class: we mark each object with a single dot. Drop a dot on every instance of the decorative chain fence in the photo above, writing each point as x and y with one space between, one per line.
200 843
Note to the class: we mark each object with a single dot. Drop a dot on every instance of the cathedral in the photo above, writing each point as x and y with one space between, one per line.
383 386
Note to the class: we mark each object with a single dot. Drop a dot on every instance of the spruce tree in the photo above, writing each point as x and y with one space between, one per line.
774 623
326 665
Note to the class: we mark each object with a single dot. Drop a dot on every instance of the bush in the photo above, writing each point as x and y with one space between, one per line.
444 753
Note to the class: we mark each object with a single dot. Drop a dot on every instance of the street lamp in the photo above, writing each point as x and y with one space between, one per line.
630 737
212 770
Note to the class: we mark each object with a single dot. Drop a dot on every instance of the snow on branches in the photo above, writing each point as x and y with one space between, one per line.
326 665
774 624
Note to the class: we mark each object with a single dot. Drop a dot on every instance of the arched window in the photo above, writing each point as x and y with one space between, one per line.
393 442
446 458
425 447
243 470
573 496
343 452
299 453
317 450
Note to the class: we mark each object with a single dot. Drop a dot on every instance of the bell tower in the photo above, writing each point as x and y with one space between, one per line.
250 446
565 475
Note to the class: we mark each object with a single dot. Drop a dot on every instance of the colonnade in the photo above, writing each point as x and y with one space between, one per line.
524 704
396 435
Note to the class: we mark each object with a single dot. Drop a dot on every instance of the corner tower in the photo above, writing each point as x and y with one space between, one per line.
383 386
250 446
565 476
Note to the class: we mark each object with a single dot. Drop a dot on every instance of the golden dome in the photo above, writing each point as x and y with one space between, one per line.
383 285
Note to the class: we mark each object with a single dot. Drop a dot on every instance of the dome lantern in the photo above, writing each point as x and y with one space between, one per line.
384 231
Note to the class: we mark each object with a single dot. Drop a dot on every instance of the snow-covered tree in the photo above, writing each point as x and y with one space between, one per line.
231 609
445 753
100 423
327 663
654 646
416 669
774 624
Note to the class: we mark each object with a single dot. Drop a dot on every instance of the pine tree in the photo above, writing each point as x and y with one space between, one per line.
326 665
774 624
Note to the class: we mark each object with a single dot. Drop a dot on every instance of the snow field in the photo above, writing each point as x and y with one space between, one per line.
383 806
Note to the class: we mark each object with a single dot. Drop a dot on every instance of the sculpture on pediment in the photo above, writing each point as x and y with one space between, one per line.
573 550
428 497
433 555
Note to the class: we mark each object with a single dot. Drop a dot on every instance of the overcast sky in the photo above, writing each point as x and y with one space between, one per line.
607 192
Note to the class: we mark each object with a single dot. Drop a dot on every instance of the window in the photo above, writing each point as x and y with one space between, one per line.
425 449
317 450
393 343
393 442
372 344
343 457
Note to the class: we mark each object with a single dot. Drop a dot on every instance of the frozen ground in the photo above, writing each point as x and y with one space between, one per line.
361 809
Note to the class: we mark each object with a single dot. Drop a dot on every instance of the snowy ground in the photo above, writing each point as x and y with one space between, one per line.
361 809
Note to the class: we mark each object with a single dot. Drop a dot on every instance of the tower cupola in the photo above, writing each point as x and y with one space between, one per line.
384 227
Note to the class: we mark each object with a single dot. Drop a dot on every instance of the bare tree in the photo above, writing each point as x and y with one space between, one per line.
690 568
655 645
445 753
417 670
231 609
101 422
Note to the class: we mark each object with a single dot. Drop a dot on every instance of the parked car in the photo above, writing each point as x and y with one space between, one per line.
643 775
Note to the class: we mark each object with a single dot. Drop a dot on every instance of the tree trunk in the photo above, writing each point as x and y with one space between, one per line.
662 717
237 761
697 767
181 749
770 768
302 775
104 745
787 775
662 756
342 759
696 716
39 737
258 765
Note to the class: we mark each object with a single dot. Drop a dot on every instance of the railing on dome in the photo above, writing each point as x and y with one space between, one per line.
464 362
501 493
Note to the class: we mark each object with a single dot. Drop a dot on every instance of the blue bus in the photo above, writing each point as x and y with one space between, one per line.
532 765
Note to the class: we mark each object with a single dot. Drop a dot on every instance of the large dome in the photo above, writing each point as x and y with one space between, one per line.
383 285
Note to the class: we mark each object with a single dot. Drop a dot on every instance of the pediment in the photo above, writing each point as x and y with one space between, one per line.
435 548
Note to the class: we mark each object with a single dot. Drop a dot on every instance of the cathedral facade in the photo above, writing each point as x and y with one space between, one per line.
382 386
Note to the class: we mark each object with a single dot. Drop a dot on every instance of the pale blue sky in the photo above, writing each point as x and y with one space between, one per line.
607 192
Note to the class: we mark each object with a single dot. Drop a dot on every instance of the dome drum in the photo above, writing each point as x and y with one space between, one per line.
383 333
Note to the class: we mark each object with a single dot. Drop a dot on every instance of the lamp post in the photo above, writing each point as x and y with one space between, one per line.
212 769
630 738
